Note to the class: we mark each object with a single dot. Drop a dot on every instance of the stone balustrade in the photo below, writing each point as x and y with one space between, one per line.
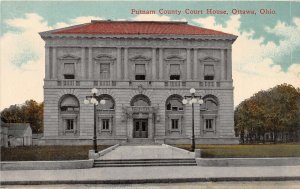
145 84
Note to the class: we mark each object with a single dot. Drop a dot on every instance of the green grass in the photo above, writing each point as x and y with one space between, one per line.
46 153
247 151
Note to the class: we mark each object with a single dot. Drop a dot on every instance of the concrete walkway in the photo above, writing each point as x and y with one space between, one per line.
147 152
130 175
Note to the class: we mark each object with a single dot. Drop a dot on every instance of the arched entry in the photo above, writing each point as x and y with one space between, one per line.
140 103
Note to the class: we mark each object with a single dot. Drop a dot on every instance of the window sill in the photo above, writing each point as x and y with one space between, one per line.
70 131
105 131
209 130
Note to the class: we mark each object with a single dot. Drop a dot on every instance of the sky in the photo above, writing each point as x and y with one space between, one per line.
266 53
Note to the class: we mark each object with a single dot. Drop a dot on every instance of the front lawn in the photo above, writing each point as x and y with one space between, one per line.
46 153
247 151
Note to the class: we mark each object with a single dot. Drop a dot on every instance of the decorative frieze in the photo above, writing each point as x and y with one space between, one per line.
140 43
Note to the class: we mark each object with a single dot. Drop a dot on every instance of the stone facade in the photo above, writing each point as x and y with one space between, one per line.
143 79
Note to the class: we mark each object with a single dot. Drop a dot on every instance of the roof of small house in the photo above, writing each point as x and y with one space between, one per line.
17 129
107 27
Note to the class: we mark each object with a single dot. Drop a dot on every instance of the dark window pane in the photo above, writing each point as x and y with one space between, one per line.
140 77
70 124
105 124
143 126
174 123
209 77
137 126
208 123
174 77
69 76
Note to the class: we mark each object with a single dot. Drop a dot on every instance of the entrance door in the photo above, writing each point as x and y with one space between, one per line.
140 128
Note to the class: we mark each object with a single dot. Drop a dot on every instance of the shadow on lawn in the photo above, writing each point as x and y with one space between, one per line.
47 153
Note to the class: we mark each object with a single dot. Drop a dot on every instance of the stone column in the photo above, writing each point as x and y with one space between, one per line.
83 65
154 64
47 63
161 66
196 64
118 63
223 65
150 126
130 126
188 64
54 63
229 65
126 63
91 64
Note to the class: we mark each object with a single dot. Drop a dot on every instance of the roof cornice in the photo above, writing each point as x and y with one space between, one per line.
47 36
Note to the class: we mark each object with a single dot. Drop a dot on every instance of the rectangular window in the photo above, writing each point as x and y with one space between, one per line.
105 71
174 72
69 124
209 124
209 73
175 123
69 71
140 72
105 124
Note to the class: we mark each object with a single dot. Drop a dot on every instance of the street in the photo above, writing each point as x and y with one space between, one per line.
194 185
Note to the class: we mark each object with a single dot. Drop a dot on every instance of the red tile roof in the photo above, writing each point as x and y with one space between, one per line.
138 28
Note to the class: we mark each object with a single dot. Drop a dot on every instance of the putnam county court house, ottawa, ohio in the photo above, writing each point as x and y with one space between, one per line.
143 70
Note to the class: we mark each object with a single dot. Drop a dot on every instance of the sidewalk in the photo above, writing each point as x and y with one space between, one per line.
130 175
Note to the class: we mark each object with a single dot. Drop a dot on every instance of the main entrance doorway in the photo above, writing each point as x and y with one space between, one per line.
140 128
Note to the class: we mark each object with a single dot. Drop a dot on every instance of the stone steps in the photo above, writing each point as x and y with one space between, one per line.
139 142
144 162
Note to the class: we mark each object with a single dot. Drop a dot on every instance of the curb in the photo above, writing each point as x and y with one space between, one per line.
144 181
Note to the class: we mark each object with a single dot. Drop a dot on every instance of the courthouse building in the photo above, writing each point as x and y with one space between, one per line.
143 70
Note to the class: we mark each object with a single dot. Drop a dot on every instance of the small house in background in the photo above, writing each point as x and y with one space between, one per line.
19 134
3 134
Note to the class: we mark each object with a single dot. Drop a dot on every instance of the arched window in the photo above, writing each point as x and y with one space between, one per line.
109 102
174 115
140 100
69 113
209 113
69 103
210 103
174 103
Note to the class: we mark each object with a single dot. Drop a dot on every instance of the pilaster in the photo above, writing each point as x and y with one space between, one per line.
83 63
154 64
195 63
126 63
223 66
54 63
118 63
161 66
91 64
229 65
47 63
188 64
